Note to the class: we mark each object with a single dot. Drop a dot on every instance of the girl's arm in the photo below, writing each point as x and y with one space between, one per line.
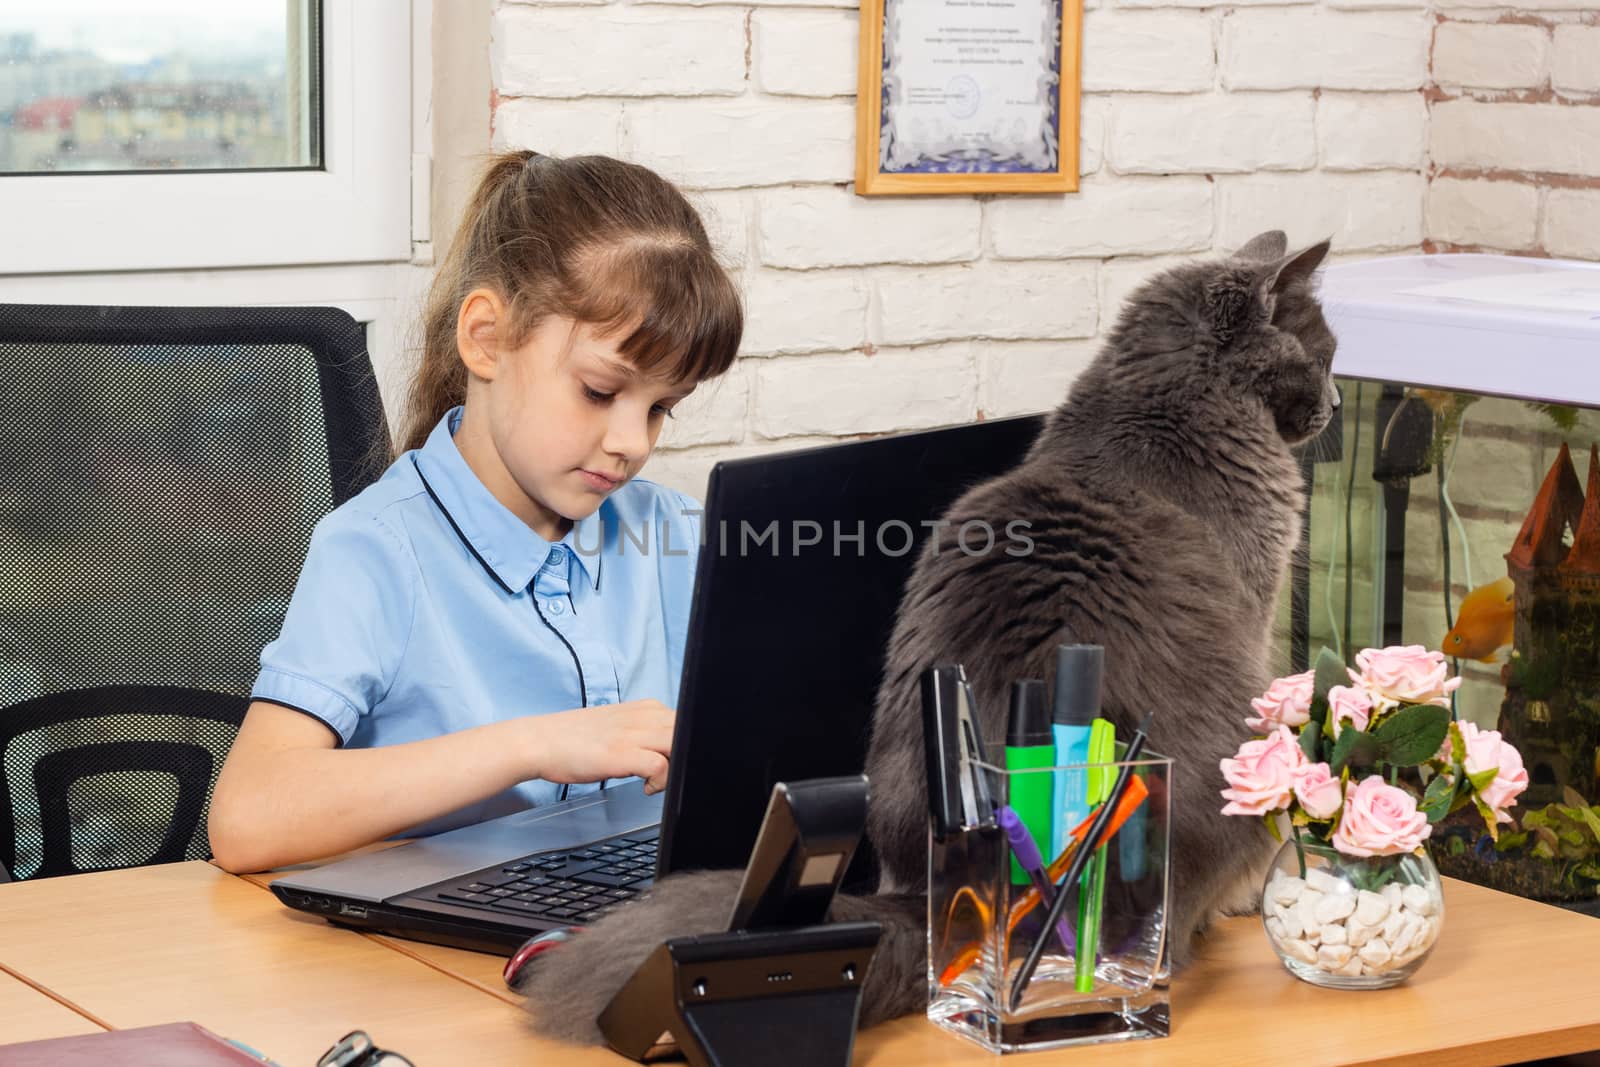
287 795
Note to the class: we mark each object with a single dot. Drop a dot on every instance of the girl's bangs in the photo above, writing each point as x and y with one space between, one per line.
678 311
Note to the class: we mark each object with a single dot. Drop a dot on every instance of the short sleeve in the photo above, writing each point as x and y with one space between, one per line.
347 624
682 517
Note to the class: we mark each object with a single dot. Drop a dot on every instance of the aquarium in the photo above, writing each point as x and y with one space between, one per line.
1455 503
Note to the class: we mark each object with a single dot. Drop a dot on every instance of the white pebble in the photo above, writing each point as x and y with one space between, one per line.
1333 934
1393 924
1331 956
1417 899
1335 906
1356 932
1392 894
1292 926
1300 950
1322 881
1275 928
1410 937
1312 935
1375 953
1306 908
1352 967
1371 908
1286 889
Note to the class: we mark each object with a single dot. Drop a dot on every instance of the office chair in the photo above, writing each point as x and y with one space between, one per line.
161 470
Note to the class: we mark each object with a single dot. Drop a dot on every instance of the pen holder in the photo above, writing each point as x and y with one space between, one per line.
981 923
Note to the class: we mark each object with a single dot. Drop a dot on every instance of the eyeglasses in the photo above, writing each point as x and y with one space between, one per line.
356 1049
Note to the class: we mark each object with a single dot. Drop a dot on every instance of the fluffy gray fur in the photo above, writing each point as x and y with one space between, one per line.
1163 504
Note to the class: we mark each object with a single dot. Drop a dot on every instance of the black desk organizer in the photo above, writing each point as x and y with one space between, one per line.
786 991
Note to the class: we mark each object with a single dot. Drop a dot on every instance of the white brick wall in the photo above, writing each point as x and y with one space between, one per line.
1220 133
1491 214
1490 55
1575 61
1370 131
1571 224
1313 48
1549 138
1148 51
1006 301
1514 129
1200 125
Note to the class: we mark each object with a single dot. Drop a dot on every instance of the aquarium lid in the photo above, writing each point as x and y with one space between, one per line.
1506 325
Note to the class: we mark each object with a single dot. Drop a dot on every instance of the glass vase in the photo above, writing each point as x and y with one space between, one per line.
1351 922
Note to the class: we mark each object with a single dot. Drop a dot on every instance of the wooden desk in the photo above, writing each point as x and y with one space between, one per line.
1511 981
29 1015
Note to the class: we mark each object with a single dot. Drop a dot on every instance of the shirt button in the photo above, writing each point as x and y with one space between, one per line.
556 607
602 700
557 557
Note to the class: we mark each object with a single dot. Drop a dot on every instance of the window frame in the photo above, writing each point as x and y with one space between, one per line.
356 209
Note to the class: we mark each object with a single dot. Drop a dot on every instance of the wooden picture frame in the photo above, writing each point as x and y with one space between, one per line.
939 137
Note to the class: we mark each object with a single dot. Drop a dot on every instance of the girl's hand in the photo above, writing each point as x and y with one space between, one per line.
609 741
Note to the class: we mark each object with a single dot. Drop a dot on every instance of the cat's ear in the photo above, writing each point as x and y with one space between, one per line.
1268 247
1292 269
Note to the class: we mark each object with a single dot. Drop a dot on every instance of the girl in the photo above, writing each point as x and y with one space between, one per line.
501 616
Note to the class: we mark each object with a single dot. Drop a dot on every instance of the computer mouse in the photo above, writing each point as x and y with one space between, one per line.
531 948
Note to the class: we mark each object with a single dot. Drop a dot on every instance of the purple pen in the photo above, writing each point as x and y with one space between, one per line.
1027 853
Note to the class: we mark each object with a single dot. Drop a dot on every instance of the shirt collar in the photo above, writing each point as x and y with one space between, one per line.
507 547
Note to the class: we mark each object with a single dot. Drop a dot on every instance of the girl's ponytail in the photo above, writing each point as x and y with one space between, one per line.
591 238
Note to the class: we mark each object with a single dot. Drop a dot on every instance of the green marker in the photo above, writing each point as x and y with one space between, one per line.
1029 745
1092 886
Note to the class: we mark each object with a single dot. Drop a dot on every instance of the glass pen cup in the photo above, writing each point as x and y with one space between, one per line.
984 915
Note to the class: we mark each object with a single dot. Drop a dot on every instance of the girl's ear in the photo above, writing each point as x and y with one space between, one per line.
478 326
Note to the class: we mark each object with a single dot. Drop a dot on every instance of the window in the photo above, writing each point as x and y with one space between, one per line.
188 134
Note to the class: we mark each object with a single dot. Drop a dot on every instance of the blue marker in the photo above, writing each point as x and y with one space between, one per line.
1077 704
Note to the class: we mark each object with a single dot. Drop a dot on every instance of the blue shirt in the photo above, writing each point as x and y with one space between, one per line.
426 606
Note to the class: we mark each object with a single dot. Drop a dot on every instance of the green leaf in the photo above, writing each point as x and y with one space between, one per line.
1488 817
1354 748
1437 797
1482 779
1330 672
1272 827
1413 735
1311 738
1572 798
1592 820
1511 841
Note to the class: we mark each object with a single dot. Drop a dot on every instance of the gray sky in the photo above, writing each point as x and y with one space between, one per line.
136 29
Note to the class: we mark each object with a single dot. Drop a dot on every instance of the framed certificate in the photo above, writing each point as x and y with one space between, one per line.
968 96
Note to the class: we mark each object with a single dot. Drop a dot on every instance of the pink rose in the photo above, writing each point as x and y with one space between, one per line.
1485 751
1261 775
1404 674
1286 702
1319 792
1347 704
1380 820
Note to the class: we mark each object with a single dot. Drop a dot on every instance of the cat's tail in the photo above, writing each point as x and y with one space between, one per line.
568 987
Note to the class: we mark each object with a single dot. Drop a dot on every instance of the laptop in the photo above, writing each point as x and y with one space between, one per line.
800 572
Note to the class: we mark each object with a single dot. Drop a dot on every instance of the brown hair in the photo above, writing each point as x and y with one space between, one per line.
592 238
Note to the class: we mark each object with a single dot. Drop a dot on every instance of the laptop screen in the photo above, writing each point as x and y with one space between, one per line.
802 563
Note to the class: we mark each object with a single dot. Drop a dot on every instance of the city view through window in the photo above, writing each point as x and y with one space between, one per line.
92 86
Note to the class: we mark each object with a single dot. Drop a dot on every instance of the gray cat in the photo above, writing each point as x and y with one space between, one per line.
1163 505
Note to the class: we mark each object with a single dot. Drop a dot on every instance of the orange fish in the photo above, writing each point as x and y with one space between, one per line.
1484 624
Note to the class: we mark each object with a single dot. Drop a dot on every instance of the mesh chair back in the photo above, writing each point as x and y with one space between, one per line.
161 470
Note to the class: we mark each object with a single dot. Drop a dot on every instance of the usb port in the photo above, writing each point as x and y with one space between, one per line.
355 911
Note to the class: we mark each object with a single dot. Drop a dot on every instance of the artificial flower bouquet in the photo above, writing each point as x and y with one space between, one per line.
1361 763
1338 751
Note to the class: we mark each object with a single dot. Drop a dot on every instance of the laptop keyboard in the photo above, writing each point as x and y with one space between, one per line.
571 887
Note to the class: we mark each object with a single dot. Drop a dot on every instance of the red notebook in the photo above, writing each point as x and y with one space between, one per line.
168 1045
